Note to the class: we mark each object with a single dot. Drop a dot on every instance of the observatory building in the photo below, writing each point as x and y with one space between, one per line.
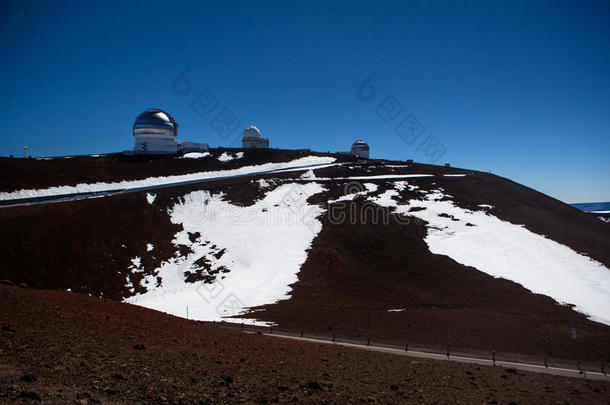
156 131
251 138
360 149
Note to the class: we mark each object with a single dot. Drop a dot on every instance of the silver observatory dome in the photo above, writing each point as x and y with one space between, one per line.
361 149
360 145
155 122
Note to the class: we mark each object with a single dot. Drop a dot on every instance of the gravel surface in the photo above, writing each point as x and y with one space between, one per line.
60 347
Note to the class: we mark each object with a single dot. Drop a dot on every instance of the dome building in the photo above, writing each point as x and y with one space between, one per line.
360 149
251 139
155 132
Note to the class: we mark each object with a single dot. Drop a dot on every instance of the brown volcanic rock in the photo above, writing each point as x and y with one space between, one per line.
86 245
82 350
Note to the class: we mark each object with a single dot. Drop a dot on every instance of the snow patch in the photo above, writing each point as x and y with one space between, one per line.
382 177
502 249
150 197
135 267
308 175
225 157
368 188
264 246
195 155
262 183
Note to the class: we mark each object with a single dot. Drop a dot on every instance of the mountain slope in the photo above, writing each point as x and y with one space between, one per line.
349 247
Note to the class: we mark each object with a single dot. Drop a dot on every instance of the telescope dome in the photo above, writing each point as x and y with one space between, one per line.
251 138
361 149
251 132
155 122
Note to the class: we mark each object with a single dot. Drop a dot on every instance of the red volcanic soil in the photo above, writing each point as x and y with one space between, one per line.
59 347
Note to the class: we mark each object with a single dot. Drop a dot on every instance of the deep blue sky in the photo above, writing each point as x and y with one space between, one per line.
521 88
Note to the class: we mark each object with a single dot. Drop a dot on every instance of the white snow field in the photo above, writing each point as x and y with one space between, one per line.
263 246
502 249
157 181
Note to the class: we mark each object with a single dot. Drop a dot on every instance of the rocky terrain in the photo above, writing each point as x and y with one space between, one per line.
60 347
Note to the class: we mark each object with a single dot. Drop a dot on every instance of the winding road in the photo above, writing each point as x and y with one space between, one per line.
108 193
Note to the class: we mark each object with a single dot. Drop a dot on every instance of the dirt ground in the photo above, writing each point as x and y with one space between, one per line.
60 347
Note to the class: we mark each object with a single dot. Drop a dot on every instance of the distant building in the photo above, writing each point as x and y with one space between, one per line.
155 132
251 139
186 147
359 149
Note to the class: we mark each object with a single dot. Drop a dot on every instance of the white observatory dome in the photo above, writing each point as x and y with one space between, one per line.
251 132
251 138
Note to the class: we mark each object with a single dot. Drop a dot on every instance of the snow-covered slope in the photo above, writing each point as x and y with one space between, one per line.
510 251
256 251
244 256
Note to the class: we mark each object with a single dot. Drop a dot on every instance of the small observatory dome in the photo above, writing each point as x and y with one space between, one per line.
251 132
155 121
360 149
251 138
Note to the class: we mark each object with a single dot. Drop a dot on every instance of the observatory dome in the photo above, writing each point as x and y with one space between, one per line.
251 132
155 122
251 138
155 131
361 149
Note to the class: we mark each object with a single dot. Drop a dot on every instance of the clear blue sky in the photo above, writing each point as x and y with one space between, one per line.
521 88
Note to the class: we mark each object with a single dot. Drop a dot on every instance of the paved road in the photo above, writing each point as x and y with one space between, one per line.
566 372
107 193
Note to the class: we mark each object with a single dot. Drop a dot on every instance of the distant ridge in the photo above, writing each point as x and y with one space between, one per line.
588 207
